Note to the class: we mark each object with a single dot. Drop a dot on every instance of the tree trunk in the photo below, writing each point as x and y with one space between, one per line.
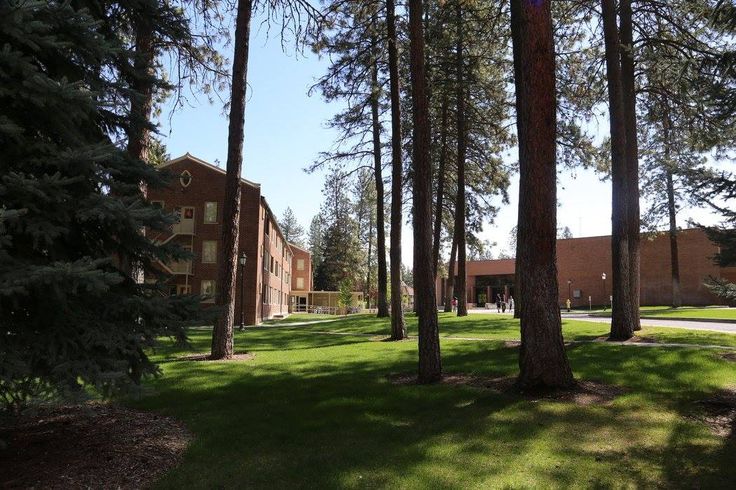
621 322
430 365
368 274
141 85
632 161
222 335
398 327
672 211
460 232
542 359
450 286
440 186
381 303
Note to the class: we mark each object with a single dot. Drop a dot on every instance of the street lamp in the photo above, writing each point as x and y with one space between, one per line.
241 260
603 277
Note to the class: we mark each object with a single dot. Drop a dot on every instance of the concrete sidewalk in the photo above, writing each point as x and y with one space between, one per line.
709 325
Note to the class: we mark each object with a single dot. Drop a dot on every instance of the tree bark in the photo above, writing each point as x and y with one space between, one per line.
632 161
460 232
439 202
622 324
542 359
398 327
141 85
672 212
430 365
381 301
222 335
370 251
450 286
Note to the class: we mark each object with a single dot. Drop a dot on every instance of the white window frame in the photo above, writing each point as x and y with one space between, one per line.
214 257
204 214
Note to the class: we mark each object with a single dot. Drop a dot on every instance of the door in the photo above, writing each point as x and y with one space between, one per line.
185 214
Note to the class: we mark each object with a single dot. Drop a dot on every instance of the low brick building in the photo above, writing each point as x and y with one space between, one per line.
196 194
582 261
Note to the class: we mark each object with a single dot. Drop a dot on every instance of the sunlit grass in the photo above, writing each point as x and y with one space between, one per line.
316 410
684 312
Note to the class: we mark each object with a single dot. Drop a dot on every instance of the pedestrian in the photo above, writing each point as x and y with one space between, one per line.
511 303
498 303
454 303
568 304
503 307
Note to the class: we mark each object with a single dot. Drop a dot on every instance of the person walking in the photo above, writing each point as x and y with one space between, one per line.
511 303
454 303
498 303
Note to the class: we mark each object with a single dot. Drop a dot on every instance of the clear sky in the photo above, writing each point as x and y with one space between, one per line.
285 131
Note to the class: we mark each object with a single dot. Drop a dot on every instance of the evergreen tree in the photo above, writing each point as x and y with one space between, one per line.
72 201
315 241
290 227
542 359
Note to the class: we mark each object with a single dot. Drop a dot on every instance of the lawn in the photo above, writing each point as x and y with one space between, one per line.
685 312
316 410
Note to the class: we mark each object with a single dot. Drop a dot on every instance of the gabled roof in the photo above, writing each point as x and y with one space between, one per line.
294 245
188 156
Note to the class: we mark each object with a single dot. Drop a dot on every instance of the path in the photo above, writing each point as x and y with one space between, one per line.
709 325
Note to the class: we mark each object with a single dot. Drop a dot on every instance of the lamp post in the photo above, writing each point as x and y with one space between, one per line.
603 277
241 260
569 294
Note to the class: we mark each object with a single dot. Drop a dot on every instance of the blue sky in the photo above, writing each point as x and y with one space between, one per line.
286 130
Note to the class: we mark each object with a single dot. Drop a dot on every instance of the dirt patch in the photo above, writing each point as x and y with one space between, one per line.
633 340
719 413
512 344
93 445
206 357
582 393
728 356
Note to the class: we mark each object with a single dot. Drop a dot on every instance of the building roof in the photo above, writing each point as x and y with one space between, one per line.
294 245
190 157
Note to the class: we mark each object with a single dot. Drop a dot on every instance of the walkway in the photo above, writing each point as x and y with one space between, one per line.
709 325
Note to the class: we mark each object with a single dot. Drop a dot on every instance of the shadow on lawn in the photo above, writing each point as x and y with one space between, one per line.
331 419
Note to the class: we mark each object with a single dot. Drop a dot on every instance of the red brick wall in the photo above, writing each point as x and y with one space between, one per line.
583 260
208 184
306 274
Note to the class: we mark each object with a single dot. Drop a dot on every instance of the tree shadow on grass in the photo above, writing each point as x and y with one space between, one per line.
329 418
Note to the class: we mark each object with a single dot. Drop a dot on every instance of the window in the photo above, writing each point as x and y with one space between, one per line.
207 290
210 212
271 265
300 283
300 264
185 178
209 252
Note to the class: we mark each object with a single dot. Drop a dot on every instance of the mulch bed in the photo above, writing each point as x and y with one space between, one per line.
729 356
633 340
582 393
93 445
719 413
206 357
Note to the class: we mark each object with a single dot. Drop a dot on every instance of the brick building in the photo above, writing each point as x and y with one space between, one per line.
196 194
301 277
582 261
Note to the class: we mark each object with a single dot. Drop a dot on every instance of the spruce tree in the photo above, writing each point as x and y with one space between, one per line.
72 204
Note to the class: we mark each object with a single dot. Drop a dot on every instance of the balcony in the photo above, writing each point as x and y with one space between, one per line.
183 227
180 267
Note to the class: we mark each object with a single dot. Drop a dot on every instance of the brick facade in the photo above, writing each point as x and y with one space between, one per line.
583 260
267 271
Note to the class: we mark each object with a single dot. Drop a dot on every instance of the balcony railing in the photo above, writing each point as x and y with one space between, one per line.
184 227
181 267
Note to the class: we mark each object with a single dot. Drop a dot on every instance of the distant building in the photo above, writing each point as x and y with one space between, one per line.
582 261
196 194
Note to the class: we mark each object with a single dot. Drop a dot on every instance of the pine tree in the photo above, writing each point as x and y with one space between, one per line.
290 227
542 359
72 201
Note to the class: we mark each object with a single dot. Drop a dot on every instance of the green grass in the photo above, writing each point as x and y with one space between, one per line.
315 410
689 312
